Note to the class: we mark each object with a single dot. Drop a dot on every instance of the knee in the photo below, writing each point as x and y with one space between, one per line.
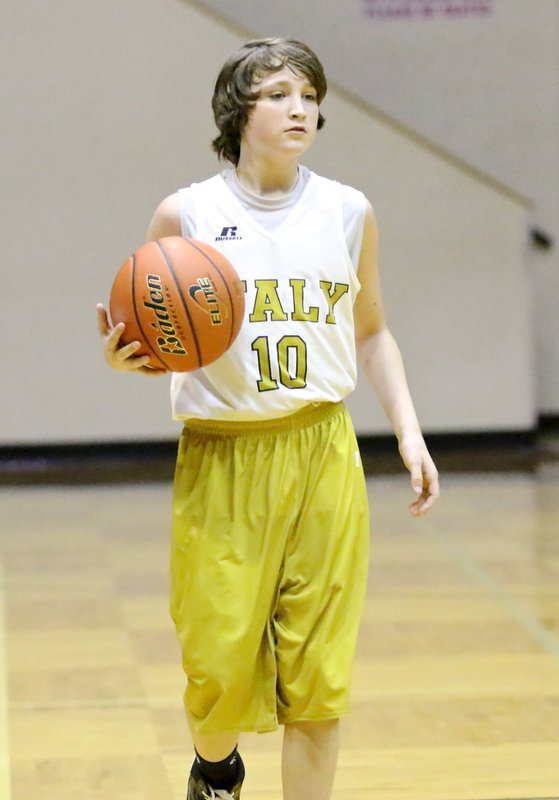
314 730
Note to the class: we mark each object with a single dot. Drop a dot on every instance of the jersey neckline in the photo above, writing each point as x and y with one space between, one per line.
256 225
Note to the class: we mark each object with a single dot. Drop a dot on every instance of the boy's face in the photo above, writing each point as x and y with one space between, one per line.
284 119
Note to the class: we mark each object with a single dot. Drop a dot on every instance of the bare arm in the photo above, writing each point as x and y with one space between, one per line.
165 222
382 363
166 219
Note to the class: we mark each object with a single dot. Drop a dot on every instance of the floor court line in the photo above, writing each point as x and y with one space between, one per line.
5 782
546 639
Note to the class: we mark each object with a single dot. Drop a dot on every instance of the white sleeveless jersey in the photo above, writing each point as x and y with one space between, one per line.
296 345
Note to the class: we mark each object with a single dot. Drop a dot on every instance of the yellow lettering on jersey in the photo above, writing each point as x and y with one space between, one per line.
299 314
267 302
298 349
266 382
332 296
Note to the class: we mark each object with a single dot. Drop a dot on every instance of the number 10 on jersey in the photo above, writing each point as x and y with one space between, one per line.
288 363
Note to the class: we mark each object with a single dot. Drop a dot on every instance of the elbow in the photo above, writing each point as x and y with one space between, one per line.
368 334
367 342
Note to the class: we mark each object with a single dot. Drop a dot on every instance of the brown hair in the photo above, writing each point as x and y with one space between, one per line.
233 95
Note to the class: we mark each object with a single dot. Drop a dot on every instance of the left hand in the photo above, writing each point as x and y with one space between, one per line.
118 356
424 475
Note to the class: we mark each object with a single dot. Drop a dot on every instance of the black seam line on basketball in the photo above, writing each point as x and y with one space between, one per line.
138 320
231 306
183 301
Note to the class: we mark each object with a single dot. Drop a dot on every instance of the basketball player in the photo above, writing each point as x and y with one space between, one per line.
271 526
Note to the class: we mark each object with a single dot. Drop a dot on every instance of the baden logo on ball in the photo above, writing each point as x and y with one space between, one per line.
169 341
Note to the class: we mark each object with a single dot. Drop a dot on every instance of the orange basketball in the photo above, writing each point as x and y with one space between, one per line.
182 299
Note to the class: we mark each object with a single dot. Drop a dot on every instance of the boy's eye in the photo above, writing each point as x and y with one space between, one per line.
277 95
310 96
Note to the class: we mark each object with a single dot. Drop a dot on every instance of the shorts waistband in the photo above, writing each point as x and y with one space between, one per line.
309 415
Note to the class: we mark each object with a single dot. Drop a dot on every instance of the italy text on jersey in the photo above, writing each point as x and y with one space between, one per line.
288 360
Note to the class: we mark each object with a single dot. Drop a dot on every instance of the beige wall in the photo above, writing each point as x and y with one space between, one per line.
452 254
108 109
486 89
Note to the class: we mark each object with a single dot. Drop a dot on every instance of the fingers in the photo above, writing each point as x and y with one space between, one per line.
434 484
117 356
416 478
121 357
114 334
123 353
423 504
426 486
102 320
154 371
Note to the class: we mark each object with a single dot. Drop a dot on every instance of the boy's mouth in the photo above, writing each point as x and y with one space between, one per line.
297 129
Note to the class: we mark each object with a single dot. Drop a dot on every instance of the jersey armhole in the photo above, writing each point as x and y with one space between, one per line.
187 213
359 202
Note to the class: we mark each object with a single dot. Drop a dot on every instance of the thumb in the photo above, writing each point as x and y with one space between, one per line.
102 319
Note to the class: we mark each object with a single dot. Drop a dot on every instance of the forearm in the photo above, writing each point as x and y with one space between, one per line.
381 360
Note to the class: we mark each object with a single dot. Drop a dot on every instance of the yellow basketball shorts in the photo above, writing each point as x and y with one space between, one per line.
269 564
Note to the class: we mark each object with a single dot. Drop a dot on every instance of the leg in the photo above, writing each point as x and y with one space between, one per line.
216 746
323 581
309 758
225 558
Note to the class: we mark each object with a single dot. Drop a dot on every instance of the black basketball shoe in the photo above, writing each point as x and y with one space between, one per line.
199 788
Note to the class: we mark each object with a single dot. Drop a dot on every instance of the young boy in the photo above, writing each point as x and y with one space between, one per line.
270 531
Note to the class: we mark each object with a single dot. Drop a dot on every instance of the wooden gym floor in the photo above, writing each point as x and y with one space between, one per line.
456 690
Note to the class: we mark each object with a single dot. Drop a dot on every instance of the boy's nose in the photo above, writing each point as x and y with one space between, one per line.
297 109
